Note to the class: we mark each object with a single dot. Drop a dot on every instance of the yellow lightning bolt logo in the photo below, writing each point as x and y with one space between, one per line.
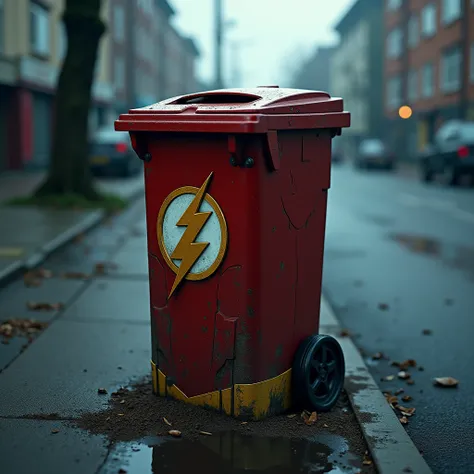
187 250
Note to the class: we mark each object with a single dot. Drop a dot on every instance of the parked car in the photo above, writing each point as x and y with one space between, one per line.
111 153
451 154
373 153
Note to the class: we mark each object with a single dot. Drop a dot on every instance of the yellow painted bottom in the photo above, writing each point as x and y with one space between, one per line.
250 401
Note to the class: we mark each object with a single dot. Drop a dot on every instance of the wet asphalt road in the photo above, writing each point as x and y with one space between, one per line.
396 242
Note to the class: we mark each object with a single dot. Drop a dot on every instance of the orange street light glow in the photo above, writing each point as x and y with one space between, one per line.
405 112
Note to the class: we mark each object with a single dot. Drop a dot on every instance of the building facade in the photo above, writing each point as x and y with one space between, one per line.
33 45
315 72
356 71
429 65
142 59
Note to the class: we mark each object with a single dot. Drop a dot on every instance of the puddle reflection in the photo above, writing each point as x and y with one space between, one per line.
235 453
455 256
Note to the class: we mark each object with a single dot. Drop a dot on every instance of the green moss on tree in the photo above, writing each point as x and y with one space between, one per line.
69 171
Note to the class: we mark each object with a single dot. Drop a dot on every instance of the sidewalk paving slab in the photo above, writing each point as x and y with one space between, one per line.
30 447
13 304
29 234
62 371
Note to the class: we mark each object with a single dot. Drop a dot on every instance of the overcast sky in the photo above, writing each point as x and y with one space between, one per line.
273 38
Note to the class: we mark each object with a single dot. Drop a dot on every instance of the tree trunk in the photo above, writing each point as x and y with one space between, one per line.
69 170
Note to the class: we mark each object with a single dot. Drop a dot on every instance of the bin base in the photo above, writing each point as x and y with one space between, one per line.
248 402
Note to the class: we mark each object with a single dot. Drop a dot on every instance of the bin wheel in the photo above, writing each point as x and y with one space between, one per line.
318 373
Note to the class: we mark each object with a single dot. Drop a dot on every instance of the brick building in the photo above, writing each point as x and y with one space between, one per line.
429 65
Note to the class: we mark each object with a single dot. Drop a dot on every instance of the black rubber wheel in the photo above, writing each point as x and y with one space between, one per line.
318 373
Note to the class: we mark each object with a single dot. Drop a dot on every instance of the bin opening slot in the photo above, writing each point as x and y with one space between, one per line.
224 99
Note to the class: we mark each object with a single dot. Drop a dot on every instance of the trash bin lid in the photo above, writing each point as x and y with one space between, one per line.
253 110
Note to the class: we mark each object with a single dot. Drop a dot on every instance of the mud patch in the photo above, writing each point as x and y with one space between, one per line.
134 413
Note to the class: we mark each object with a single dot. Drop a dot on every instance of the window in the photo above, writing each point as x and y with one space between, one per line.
412 85
427 80
428 20
451 11
2 26
39 29
413 32
394 92
119 73
471 63
451 70
394 43
394 4
119 23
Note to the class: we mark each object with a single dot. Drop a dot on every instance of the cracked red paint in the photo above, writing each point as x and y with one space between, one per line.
244 323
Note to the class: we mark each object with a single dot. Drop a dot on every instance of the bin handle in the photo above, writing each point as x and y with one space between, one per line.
274 149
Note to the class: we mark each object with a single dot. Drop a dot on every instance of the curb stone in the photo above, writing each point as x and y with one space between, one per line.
390 446
32 261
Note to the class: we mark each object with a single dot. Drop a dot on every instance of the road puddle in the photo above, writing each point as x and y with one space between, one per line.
234 453
455 256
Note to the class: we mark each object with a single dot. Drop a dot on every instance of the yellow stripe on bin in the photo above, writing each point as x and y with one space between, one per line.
259 400
250 401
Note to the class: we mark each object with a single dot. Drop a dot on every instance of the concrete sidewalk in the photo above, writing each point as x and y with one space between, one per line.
29 234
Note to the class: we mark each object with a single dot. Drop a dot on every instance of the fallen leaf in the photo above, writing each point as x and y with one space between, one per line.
309 418
120 414
407 398
404 420
174 433
399 391
167 422
292 415
75 276
244 422
392 400
102 391
55 431
367 462
107 419
388 378
32 306
403 375
446 382
21 327
205 433
406 411
427 332
345 333
383 306
407 363
410 382
122 401
395 364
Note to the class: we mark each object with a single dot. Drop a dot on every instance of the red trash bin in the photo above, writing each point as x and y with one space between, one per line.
236 189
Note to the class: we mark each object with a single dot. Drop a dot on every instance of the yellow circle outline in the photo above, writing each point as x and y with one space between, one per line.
222 224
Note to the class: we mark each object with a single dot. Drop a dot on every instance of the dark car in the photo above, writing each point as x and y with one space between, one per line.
451 154
373 153
111 153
